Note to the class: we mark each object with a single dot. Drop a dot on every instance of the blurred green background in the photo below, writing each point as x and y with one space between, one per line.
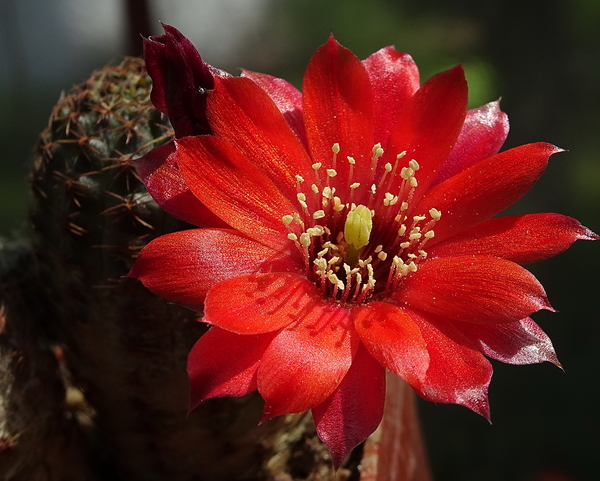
542 57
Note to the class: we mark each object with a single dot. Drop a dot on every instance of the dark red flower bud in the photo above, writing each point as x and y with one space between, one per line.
180 81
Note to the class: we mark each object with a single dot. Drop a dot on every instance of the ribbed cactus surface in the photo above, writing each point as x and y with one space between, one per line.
123 350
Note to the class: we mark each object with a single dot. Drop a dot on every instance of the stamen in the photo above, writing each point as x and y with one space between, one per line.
435 214
335 148
305 239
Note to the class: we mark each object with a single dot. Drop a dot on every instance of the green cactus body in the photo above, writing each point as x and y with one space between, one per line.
125 348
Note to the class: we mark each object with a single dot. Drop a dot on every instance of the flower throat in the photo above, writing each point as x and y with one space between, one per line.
365 245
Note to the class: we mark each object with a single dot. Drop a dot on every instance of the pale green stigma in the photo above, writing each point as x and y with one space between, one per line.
358 226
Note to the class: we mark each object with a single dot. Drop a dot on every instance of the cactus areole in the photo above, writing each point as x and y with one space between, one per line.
347 230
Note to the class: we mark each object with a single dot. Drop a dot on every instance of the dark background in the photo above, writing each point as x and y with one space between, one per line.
541 56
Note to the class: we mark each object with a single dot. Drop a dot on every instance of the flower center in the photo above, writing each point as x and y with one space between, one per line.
366 246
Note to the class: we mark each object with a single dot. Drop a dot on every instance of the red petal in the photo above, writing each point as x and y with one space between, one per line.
234 189
476 289
520 342
391 336
478 193
287 98
483 133
355 408
222 363
244 116
520 238
429 128
307 361
184 265
259 303
164 181
457 373
338 108
395 79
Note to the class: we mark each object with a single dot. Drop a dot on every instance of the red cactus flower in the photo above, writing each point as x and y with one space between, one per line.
350 231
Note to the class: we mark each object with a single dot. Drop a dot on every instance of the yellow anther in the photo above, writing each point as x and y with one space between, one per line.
321 265
327 193
412 267
371 282
314 188
388 167
334 280
319 214
299 178
351 160
402 230
355 185
331 172
358 226
301 197
287 219
419 218
365 262
378 249
413 182
407 173
404 206
382 256
405 245
414 236
400 155
317 165
430 234
334 260
435 214
337 204
413 164
292 237
315 231
377 150
335 148
322 252
305 239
